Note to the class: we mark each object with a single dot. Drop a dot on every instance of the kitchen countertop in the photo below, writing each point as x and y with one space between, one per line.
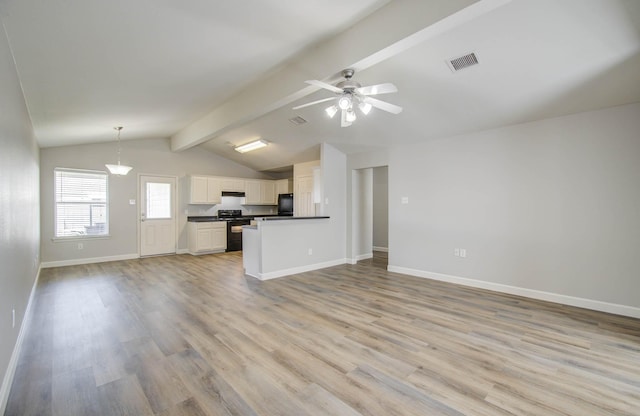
214 218
259 218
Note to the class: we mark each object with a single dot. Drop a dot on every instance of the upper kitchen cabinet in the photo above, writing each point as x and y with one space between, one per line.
284 186
268 192
205 190
260 192
233 184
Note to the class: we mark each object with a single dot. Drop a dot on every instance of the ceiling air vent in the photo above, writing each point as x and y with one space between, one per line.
456 64
297 120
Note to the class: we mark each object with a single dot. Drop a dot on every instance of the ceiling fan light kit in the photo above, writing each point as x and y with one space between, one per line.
350 93
120 170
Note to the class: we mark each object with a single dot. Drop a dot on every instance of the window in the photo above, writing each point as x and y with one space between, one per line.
81 208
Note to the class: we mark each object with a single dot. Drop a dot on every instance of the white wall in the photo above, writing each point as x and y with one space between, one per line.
550 206
19 212
380 207
333 165
152 156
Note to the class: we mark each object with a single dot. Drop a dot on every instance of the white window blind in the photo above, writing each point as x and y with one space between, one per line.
81 207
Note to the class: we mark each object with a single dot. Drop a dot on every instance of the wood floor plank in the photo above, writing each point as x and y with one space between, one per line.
184 335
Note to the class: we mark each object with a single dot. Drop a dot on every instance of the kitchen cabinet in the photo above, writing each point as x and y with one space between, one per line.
205 190
260 192
268 192
233 184
207 237
284 186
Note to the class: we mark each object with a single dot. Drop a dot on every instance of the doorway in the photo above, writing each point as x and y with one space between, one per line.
370 215
157 215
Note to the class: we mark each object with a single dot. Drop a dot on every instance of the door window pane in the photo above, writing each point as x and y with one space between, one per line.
158 200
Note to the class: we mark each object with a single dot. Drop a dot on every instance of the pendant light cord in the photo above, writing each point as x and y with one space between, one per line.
118 128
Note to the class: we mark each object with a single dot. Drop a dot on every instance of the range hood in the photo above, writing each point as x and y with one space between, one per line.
231 193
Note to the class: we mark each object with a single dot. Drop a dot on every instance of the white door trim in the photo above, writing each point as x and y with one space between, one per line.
139 208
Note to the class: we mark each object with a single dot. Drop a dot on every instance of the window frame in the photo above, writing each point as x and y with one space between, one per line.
55 205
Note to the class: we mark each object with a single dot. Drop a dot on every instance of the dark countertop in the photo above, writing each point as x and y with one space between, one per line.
214 218
203 219
259 218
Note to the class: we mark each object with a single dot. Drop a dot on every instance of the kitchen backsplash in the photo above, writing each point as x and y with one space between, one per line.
230 202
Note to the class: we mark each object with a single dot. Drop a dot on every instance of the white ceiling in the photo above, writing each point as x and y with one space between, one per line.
218 73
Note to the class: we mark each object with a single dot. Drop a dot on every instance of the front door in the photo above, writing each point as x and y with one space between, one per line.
157 215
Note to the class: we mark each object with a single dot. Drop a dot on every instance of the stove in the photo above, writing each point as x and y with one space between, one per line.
235 221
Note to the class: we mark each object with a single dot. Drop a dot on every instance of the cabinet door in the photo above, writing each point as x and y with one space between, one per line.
219 238
283 186
232 184
253 193
268 192
214 192
204 239
198 191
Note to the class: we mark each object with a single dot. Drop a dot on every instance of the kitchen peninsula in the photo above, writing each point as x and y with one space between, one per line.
281 246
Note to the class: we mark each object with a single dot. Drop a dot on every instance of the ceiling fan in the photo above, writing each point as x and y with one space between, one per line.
350 94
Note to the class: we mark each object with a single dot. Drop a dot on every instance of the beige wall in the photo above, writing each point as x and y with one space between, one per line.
151 156
19 208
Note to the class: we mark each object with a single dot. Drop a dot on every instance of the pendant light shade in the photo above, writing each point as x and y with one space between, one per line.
118 169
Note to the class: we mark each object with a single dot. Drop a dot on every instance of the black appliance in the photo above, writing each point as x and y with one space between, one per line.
285 204
235 221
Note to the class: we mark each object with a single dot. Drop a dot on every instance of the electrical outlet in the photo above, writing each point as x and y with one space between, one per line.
456 252
310 251
463 252
80 246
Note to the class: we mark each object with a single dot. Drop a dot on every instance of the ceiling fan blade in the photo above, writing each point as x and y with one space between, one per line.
343 119
383 105
377 89
314 103
324 85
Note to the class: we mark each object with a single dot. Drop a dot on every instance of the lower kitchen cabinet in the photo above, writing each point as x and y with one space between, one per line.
207 237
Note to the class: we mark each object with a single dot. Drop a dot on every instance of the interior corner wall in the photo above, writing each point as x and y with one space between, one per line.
19 213
333 166
550 206
148 156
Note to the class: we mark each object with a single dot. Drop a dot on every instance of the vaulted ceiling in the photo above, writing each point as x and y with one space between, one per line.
218 74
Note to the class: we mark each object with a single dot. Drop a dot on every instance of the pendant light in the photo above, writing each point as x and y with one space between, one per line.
118 169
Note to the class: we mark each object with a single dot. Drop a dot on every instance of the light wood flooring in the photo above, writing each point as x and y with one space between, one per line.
183 335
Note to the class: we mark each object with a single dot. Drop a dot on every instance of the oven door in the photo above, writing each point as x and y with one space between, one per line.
234 234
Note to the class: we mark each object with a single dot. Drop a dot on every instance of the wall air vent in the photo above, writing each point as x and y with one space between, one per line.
462 62
297 120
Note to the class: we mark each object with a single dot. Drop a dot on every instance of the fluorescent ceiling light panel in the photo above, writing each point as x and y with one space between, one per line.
257 144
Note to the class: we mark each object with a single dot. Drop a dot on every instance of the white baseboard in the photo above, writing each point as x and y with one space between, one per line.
182 251
296 270
383 249
75 262
595 305
364 256
13 361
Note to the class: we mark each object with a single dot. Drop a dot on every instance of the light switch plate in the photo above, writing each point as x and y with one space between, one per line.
132 202
405 200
